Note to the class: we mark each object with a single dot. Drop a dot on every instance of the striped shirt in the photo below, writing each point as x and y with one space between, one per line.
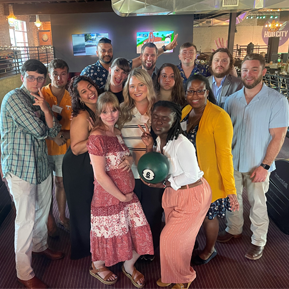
23 132
268 109
132 138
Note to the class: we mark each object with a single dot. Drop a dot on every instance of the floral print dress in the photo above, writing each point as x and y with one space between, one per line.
117 228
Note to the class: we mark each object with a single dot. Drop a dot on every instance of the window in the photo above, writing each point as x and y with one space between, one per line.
18 34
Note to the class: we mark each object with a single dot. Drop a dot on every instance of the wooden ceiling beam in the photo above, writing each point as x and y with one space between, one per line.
60 8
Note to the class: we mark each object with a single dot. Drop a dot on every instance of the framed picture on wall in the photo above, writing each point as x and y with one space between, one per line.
44 37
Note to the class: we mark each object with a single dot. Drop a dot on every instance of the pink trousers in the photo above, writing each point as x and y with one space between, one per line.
185 211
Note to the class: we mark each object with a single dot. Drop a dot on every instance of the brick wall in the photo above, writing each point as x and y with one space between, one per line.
32 30
4 28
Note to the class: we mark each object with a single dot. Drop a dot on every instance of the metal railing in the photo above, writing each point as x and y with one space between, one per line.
12 58
240 51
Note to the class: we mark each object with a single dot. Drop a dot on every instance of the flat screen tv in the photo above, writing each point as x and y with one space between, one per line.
159 38
85 44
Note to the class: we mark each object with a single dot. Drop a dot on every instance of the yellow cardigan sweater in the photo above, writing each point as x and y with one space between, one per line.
213 144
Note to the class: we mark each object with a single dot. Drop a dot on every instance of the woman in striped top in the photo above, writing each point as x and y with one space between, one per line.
139 97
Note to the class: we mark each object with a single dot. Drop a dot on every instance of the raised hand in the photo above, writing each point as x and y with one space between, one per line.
220 43
173 44
39 100
146 136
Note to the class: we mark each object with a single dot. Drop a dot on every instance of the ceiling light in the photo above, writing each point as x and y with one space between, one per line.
11 17
37 23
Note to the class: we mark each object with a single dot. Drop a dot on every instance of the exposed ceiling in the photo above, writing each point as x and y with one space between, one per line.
48 1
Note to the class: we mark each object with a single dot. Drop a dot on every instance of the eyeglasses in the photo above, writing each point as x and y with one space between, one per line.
31 78
198 92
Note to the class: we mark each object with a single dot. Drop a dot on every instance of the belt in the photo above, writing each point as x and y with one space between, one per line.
197 183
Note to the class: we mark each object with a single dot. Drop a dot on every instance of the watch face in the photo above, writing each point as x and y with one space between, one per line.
266 167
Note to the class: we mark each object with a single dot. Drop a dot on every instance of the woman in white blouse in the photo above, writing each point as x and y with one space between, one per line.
186 198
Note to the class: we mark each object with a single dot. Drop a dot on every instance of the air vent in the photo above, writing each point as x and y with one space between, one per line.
230 3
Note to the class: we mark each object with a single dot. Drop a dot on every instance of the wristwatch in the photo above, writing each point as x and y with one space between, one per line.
164 48
266 167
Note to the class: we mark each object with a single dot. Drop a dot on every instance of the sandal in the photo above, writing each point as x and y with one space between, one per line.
181 286
162 284
134 278
94 272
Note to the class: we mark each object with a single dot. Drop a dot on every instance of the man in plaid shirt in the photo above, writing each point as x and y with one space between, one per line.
26 121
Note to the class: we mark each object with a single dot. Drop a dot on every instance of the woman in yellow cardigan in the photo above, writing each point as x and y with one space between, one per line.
210 129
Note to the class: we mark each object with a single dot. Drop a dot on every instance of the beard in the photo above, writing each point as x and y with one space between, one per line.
255 83
148 67
106 61
222 74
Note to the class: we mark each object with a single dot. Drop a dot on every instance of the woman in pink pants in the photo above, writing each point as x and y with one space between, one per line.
187 195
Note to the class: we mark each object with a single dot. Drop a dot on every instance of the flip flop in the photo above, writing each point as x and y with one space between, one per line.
94 272
134 278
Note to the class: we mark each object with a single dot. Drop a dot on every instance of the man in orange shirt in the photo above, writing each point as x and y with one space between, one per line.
60 101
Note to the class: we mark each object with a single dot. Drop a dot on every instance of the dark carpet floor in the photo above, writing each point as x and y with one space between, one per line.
229 269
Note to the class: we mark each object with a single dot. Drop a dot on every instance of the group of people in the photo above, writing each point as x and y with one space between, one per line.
220 133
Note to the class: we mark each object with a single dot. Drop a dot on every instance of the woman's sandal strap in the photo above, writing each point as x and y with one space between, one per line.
102 269
136 277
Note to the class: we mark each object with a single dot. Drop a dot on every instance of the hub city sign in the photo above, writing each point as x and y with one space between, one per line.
275 29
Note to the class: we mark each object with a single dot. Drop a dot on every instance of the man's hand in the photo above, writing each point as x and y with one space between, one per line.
39 100
59 139
220 43
259 175
173 44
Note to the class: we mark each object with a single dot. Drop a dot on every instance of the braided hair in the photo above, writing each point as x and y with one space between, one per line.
176 129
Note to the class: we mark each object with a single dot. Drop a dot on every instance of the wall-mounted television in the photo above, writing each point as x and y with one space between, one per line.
159 38
85 44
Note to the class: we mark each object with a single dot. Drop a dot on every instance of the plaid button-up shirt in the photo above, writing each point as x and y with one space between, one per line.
23 132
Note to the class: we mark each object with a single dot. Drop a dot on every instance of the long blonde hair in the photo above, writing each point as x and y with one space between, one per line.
128 105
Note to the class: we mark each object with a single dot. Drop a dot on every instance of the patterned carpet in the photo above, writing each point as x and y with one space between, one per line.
228 270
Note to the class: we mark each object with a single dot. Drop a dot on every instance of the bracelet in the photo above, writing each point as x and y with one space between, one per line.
164 184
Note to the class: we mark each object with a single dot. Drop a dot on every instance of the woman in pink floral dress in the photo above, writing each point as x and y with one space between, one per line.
119 229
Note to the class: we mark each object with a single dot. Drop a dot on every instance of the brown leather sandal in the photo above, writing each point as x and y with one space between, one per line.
135 277
94 272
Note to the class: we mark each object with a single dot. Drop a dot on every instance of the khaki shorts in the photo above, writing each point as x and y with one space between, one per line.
55 163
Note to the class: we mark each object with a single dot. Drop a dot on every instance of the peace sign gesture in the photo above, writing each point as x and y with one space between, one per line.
146 136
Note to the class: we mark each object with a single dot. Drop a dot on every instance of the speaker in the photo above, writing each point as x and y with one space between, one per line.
284 57
273 45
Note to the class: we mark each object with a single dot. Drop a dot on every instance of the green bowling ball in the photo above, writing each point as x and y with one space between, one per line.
153 167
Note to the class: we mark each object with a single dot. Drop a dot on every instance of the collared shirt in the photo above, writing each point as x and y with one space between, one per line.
184 168
217 90
53 148
97 72
132 138
23 132
268 109
199 68
154 74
